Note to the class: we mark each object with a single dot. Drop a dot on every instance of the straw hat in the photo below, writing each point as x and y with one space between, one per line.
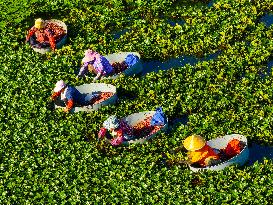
59 85
39 23
194 142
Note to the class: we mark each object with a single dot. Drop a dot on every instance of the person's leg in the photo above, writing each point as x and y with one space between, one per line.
44 45
37 44
90 98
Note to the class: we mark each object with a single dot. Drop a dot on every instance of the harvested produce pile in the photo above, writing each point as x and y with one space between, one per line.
58 31
144 128
224 157
119 67
102 96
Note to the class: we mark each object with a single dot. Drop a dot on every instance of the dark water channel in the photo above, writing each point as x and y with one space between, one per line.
267 19
118 34
268 70
174 22
269 67
156 65
210 4
259 152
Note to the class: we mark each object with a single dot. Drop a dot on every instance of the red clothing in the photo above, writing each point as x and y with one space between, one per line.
69 103
202 155
118 135
55 95
102 132
42 36
119 132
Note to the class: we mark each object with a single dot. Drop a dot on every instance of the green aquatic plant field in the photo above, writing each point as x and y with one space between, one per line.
50 157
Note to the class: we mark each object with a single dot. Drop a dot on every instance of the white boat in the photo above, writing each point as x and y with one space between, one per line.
60 43
220 143
133 119
90 89
119 58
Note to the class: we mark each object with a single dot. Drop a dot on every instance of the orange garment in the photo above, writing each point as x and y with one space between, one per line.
233 148
69 103
202 155
55 95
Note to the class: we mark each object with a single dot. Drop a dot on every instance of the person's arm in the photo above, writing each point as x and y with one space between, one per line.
69 98
83 70
120 133
99 68
117 141
97 76
102 133
55 95
51 38
31 32
69 105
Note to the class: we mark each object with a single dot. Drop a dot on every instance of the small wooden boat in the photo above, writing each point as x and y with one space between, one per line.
221 143
89 89
133 120
59 43
119 58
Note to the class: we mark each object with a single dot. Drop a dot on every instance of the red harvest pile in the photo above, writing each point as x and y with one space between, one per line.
119 67
58 31
144 128
103 96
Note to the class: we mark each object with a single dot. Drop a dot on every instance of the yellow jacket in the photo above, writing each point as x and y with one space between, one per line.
203 155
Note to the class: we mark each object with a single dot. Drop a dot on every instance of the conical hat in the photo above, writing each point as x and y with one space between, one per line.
39 23
89 55
194 142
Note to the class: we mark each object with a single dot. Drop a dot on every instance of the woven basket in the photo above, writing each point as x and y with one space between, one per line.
59 43
221 143
119 58
89 89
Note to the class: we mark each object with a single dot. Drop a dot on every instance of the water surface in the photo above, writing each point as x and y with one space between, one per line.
180 22
156 65
259 152
118 34
267 19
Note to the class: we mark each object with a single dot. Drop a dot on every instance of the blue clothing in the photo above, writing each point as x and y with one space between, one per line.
103 66
71 93
131 60
158 118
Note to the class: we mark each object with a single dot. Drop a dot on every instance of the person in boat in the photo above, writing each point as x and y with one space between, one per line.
42 35
70 95
95 63
201 153
117 131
